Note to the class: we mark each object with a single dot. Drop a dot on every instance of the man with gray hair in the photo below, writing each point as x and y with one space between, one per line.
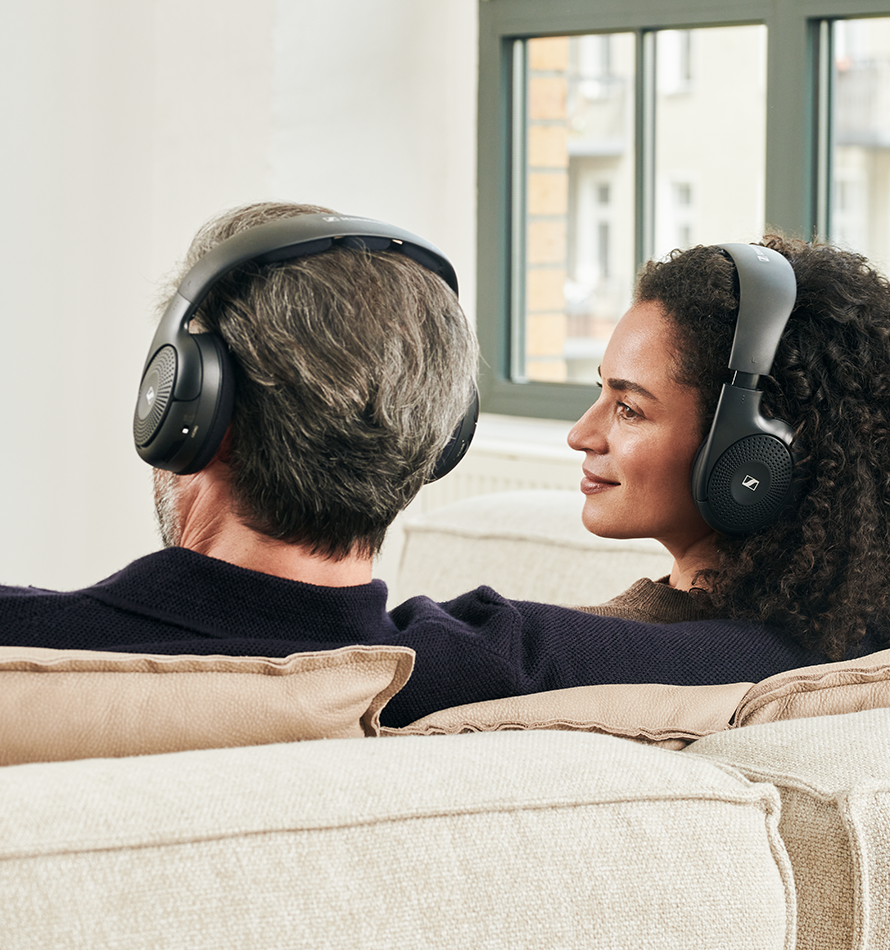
298 394
351 370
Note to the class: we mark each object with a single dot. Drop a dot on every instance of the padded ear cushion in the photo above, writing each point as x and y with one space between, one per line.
218 386
749 485
459 442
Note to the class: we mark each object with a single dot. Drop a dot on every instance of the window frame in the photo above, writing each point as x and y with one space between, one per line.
797 144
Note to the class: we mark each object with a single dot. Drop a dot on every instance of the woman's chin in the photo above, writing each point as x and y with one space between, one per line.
593 520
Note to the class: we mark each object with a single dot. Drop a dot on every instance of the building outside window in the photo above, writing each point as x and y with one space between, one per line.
609 134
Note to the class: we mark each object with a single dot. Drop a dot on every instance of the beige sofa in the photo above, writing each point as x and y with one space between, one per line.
166 802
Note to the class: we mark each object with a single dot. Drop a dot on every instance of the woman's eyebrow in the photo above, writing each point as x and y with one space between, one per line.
628 386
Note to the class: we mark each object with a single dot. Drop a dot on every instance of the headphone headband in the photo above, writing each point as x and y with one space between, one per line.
742 474
187 390
286 239
767 290
303 235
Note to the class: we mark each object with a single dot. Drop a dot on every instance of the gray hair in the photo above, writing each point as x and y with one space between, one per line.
352 369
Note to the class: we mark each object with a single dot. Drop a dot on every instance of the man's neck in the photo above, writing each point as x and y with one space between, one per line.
210 526
255 552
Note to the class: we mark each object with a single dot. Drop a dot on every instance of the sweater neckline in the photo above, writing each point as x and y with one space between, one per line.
656 602
222 599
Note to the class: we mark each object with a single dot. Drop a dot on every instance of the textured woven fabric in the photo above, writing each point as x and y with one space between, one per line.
506 840
833 774
653 602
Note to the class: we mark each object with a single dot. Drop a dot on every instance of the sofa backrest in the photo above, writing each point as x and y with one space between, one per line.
828 689
499 840
527 545
669 716
76 704
70 704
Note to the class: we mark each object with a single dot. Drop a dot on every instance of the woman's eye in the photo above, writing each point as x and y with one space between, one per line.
626 412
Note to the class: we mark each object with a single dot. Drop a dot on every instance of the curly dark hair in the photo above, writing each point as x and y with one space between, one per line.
821 572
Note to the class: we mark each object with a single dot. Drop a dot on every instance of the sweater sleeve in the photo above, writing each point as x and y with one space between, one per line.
482 646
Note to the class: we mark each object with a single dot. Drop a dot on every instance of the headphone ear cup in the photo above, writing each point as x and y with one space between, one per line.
214 411
749 485
155 394
182 435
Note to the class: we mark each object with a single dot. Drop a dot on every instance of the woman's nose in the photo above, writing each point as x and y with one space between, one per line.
587 434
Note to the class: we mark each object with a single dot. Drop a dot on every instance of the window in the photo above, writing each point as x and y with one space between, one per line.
611 131
859 157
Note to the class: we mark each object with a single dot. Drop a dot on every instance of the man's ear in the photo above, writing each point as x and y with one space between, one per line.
224 452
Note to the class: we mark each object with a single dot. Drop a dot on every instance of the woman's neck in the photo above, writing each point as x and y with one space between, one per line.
688 563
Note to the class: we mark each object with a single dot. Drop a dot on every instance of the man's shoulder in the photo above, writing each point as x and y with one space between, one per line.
86 618
178 601
34 616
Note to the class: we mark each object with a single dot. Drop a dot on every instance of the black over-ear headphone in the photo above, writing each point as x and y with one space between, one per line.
186 393
742 475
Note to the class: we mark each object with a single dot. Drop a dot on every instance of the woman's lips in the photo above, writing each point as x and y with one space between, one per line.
593 484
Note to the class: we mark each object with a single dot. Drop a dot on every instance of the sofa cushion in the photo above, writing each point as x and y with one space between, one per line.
670 716
833 774
828 689
74 704
527 545
496 840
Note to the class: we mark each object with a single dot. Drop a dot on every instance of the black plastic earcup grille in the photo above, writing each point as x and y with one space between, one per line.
154 396
759 464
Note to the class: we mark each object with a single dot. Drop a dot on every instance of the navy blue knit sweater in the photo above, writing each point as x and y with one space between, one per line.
478 646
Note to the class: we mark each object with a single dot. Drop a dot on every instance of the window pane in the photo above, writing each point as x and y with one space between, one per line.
860 192
577 219
710 122
576 167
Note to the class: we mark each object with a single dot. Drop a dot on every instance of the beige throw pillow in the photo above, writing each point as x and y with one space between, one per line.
674 716
829 689
76 704
671 716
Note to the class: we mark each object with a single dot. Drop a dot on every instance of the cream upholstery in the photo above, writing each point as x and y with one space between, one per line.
532 840
833 774
527 545
771 828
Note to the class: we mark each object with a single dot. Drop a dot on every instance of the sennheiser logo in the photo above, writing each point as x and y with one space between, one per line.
150 395
749 481
761 256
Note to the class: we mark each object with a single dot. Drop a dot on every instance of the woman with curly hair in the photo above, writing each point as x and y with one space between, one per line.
819 572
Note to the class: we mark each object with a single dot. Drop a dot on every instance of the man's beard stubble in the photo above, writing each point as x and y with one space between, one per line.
166 492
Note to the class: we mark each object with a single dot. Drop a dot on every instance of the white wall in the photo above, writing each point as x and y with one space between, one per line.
128 124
